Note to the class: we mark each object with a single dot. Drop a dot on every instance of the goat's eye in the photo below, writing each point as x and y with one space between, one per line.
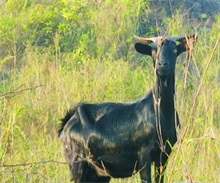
154 53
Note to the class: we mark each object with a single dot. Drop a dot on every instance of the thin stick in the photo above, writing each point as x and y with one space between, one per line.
200 87
17 91
34 163
194 104
43 162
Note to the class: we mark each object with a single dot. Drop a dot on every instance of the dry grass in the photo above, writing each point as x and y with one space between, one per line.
35 95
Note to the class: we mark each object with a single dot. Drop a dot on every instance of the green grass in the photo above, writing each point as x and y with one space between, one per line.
39 86
29 118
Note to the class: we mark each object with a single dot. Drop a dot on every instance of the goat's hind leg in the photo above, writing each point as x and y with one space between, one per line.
83 173
92 176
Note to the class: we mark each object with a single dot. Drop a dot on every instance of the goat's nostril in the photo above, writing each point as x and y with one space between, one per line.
163 64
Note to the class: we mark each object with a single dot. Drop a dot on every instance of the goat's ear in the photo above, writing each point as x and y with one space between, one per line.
143 49
181 48
187 44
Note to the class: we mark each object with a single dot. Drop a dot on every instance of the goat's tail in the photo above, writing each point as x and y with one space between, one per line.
82 117
66 118
72 150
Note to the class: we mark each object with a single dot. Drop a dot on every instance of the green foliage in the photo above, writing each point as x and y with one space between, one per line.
71 25
57 53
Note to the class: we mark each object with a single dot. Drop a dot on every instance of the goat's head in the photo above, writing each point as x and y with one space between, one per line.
164 51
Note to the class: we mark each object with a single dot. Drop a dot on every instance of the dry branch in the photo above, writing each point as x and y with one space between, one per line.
17 91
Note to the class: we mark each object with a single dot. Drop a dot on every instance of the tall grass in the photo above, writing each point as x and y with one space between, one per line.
36 92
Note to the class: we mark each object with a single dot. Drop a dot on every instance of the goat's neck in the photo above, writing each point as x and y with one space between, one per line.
163 93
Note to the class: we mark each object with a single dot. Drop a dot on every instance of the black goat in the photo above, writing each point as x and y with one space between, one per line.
119 139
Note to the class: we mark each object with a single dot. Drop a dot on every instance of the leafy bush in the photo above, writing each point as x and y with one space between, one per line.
56 53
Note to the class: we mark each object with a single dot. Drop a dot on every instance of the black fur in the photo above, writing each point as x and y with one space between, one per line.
119 139
67 117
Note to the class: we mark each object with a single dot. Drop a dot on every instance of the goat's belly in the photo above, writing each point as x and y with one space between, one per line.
117 166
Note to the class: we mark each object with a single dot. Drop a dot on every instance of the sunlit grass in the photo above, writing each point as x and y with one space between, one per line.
37 93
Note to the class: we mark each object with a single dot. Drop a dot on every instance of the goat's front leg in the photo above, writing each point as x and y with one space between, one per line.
160 167
159 173
145 170
145 174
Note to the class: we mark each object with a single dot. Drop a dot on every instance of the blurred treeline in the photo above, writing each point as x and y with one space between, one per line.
95 27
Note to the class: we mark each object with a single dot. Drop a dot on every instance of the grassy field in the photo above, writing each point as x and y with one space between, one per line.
37 88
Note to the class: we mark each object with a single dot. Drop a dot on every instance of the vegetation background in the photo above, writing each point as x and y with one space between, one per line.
54 53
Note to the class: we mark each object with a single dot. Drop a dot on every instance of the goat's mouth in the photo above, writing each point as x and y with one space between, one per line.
163 71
